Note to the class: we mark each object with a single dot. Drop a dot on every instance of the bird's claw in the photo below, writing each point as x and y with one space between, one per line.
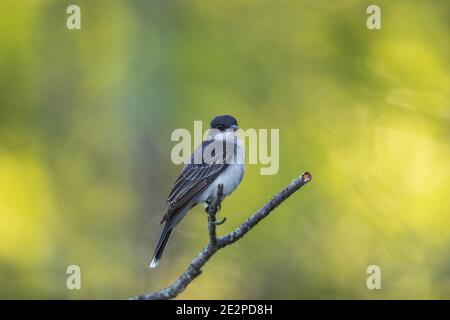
218 208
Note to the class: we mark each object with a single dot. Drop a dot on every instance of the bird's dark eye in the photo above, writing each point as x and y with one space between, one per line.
219 127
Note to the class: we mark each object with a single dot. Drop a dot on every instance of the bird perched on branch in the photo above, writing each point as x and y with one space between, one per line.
220 159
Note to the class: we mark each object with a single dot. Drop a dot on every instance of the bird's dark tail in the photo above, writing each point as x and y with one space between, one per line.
161 245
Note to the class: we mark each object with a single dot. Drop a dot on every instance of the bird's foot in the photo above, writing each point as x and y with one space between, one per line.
208 204
208 207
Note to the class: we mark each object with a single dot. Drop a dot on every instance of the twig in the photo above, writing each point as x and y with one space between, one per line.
212 209
194 268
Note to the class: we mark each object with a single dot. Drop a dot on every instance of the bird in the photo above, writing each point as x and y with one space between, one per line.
219 160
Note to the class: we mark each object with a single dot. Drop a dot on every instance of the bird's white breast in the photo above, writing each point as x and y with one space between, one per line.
231 177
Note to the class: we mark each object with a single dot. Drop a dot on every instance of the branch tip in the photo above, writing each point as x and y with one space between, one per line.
306 176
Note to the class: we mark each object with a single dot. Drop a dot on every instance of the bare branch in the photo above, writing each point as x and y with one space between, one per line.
215 244
212 210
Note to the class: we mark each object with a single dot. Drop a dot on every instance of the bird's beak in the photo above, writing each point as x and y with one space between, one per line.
234 127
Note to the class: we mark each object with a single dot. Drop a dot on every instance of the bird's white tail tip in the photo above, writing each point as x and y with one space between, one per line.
154 263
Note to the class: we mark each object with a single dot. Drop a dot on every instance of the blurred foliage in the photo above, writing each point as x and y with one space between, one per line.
85 124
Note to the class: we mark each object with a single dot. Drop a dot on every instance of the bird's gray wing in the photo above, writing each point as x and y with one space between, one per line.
196 177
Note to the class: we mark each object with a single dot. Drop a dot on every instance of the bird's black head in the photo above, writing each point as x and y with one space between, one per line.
224 123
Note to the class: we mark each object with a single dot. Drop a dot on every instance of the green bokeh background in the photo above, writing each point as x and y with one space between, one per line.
85 124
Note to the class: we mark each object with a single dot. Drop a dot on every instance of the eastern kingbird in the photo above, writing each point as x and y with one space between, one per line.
220 159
